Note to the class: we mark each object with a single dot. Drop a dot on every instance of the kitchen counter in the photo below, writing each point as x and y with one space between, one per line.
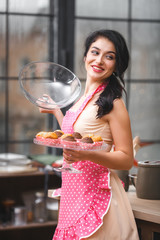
144 209
147 215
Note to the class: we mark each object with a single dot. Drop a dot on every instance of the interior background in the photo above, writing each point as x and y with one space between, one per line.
55 30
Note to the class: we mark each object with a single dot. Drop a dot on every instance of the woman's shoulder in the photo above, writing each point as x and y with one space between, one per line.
118 101
119 104
119 110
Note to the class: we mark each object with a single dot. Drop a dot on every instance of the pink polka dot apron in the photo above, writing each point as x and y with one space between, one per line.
86 196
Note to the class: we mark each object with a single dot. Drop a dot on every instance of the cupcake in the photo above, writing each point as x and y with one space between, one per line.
48 138
41 134
86 140
66 135
89 135
59 133
68 141
77 135
86 143
51 135
98 141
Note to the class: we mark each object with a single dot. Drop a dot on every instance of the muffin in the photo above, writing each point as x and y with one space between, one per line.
59 133
66 135
41 134
86 143
51 135
48 138
77 135
86 140
89 135
68 141
97 138
98 141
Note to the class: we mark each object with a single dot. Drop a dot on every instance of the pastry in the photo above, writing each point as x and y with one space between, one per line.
98 141
41 134
89 135
49 138
77 135
68 141
86 143
65 135
86 140
59 133
97 138
51 135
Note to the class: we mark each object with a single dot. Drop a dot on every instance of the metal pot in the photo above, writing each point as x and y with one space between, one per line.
147 180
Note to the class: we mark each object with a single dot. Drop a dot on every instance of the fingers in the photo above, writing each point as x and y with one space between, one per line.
69 156
74 155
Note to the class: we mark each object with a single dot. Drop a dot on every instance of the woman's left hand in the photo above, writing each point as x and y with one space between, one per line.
72 156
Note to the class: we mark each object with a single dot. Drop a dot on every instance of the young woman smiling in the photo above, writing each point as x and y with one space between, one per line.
93 203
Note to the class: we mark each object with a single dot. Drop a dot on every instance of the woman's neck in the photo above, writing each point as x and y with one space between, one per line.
90 87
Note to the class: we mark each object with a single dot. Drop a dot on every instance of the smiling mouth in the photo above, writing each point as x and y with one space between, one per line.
97 69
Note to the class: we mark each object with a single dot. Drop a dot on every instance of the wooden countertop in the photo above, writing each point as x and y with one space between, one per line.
144 209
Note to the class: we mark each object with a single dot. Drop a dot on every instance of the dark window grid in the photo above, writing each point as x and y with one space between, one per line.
6 79
118 19
27 14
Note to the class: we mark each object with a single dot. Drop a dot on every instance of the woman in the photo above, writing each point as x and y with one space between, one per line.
94 204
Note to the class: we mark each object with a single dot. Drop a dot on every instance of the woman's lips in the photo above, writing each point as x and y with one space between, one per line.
97 68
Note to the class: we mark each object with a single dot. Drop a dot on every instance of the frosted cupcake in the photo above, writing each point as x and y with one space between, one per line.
68 141
59 133
86 143
48 138
77 135
98 141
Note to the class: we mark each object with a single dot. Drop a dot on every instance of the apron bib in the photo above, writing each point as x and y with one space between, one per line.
86 196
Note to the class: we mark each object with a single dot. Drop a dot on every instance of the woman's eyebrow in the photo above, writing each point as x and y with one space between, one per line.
107 51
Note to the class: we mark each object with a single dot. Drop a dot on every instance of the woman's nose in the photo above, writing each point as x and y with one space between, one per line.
99 59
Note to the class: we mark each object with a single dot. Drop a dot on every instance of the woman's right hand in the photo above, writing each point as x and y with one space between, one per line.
55 111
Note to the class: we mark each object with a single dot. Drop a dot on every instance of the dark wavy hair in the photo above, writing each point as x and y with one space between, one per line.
116 83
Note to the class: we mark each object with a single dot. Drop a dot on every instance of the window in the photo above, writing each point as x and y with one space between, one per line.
29 31
139 22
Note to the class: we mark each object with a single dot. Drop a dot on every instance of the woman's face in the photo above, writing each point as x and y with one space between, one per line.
100 60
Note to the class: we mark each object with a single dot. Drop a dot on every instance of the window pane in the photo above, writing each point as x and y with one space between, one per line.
2 45
82 30
25 120
146 9
102 8
145 51
144 110
2 148
2 110
28 41
29 6
3 5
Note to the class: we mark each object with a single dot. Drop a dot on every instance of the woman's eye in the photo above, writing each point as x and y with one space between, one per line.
94 52
109 57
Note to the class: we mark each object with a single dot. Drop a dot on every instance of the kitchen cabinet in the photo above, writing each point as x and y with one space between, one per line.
11 187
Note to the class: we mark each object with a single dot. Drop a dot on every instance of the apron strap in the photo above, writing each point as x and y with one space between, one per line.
98 89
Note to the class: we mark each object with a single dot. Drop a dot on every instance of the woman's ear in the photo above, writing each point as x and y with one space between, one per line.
84 58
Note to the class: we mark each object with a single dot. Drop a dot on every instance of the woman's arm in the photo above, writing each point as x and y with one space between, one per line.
122 157
56 112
